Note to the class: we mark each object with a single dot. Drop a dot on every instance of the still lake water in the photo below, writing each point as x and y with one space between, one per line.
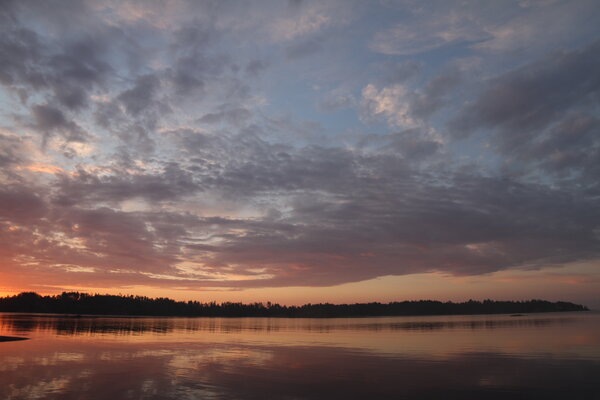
536 356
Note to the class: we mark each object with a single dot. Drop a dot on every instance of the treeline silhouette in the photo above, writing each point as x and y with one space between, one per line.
97 304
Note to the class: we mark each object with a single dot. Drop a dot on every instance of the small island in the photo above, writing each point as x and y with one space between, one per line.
77 304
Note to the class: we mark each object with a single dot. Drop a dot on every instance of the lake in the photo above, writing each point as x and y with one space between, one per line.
535 356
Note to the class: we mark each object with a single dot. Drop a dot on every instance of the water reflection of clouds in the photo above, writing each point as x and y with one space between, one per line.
58 358
229 358
254 372
11 363
39 390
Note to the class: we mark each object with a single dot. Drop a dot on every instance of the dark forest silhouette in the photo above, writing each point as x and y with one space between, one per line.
96 304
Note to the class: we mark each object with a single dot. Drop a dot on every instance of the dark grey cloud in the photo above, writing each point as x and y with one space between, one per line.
568 150
399 72
195 63
255 67
77 71
109 115
134 115
412 229
63 72
245 165
170 184
542 115
227 113
12 150
66 73
19 204
434 94
411 144
530 98
303 49
139 98
49 120
21 51
378 220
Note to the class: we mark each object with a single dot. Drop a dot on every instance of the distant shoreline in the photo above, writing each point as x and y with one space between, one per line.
11 338
77 304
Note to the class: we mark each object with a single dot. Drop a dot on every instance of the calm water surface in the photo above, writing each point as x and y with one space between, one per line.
538 356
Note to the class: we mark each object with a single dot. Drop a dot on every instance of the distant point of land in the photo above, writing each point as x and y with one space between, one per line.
11 338
78 304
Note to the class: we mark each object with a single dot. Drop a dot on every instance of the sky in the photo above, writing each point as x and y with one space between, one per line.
301 151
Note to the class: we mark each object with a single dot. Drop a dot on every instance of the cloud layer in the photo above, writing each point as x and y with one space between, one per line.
220 145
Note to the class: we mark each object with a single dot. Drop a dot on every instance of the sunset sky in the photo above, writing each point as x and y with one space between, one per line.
301 151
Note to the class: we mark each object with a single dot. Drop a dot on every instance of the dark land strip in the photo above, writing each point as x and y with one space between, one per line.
78 304
11 338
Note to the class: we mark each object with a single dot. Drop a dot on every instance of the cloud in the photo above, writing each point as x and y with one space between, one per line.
66 73
303 49
433 96
389 102
12 150
399 72
337 100
49 120
421 32
527 30
345 216
405 107
255 67
83 187
533 96
411 144
227 113
185 147
496 28
20 204
193 63
405 223
542 113
141 96
300 23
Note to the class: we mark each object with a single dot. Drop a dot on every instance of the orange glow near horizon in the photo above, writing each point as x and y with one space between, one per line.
578 282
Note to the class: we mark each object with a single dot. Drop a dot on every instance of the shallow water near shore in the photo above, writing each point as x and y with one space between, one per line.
553 355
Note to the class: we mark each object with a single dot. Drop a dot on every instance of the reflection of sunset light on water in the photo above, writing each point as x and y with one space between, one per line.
436 336
103 357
